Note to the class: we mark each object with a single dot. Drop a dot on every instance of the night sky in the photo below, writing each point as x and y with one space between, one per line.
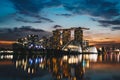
101 16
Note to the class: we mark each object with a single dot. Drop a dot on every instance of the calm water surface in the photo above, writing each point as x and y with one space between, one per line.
67 67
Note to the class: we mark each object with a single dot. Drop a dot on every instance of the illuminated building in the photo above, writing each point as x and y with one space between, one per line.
61 37
29 42
85 43
78 35
56 38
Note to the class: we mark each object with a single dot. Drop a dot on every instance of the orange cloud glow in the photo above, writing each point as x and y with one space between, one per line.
102 37
6 42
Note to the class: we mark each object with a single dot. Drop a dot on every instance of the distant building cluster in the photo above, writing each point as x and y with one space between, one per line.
29 42
63 39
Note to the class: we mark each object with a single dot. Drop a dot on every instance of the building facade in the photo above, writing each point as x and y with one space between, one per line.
63 36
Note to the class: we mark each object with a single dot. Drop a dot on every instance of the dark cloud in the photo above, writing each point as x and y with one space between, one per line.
116 28
57 26
112 22
52 3
21 19
15 33
93 19
100 8
46 19
22 28
106 9
26 6
105 25
39 19
30 8
66 15
108 22
6 30
29 28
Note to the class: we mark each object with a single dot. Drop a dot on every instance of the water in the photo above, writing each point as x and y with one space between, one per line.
66 67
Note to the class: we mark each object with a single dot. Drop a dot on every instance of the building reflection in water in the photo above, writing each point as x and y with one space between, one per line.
3 57
69 67
30 64
110 58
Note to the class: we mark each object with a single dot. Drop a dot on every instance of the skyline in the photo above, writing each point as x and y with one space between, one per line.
101 16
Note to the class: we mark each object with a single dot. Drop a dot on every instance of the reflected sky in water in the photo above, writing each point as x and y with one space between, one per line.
66 67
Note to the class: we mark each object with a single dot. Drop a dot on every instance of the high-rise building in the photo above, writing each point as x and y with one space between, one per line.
78 35
63 36
56 38
66 36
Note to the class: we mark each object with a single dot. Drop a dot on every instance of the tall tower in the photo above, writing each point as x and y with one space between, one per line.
56 39
78 34
66 36
61 37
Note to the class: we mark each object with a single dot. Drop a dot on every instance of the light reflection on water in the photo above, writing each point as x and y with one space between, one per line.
6 57
68 67
30 64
